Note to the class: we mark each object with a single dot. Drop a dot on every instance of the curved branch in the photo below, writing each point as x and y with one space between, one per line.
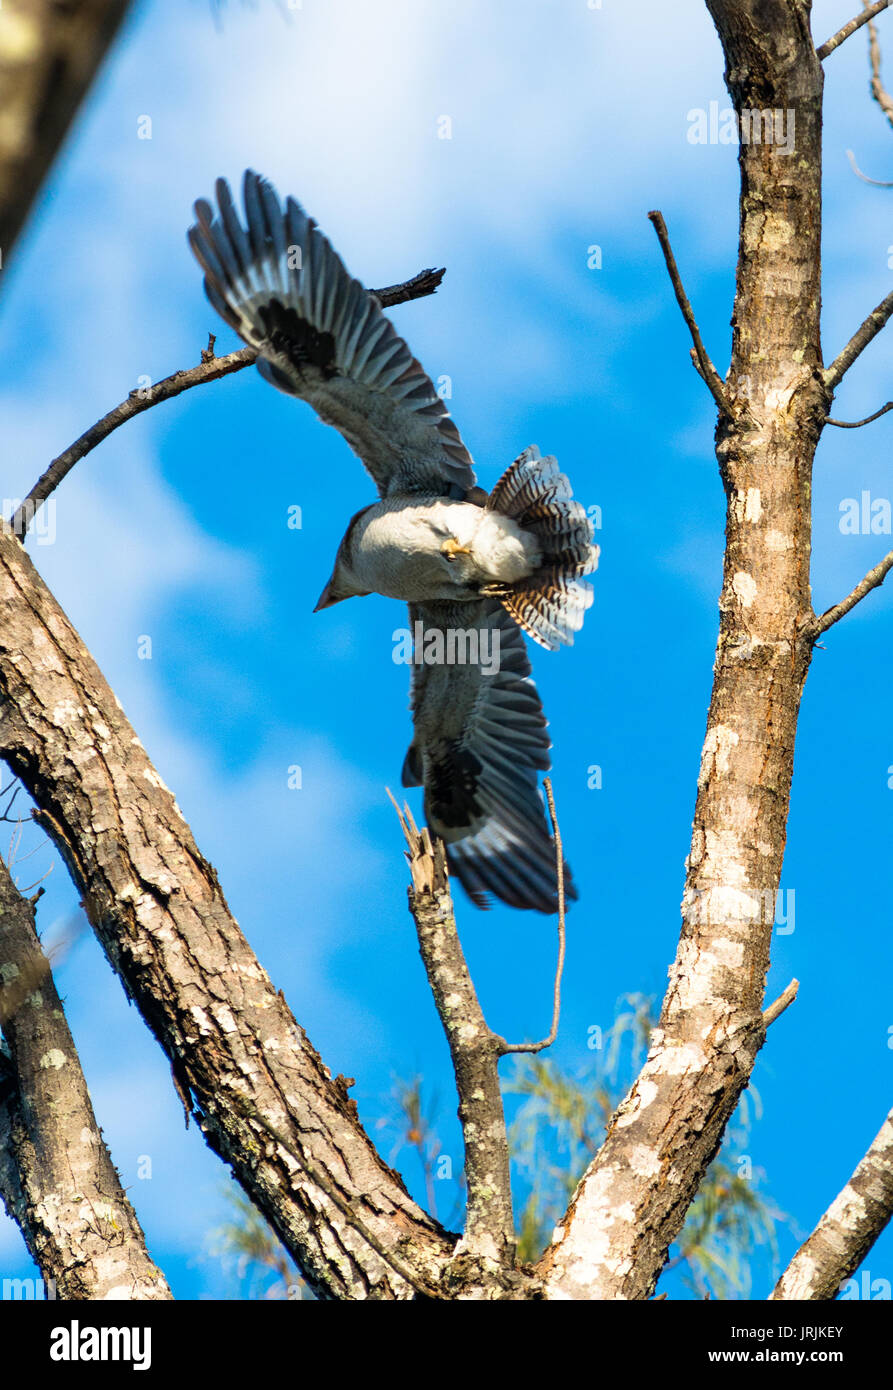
210 368
857 424
848 1229
506 1048
57 1179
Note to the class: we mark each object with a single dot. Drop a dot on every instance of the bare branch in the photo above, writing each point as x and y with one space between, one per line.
784 1001
706 369
857 424
850 28
848 1229
57 1179
504 1047
489 1227
872 580
859 342
876 183
210 368
426 282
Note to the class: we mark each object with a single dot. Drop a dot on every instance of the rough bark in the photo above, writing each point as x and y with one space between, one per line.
632 1201
489 1236
49 53
57 1179
245 1069
848 1229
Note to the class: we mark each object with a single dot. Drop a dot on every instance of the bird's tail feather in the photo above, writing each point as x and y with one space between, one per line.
549 604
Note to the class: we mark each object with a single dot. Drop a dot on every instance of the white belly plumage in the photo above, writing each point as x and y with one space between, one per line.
416 550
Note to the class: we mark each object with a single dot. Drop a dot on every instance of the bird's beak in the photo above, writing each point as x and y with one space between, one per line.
328 597
452 547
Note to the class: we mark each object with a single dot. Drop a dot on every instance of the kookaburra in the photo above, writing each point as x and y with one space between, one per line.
463 561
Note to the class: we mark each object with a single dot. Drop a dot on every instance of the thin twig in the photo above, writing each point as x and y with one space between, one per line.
706 368
857 424
878 91
210 368
784 1001
837 39
504 1047
872 580
859 342
876 183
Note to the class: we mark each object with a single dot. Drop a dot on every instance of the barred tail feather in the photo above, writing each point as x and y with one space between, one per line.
549 605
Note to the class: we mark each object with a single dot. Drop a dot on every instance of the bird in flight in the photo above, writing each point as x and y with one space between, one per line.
483 567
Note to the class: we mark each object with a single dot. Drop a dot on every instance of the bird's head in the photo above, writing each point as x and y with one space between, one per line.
343 582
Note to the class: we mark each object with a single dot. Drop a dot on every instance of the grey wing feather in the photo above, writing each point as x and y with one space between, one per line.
321 336
480 742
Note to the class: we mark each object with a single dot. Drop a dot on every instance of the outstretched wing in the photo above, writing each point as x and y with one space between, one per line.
480 742
323 337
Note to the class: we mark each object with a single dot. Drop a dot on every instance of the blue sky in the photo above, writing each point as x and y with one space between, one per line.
568 124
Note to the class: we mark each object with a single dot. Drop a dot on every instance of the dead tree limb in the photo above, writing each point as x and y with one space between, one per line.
57 1179
857 424
848 1229
489 1235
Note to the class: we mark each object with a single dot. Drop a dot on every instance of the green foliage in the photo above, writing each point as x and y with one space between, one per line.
559 1126
250 1252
